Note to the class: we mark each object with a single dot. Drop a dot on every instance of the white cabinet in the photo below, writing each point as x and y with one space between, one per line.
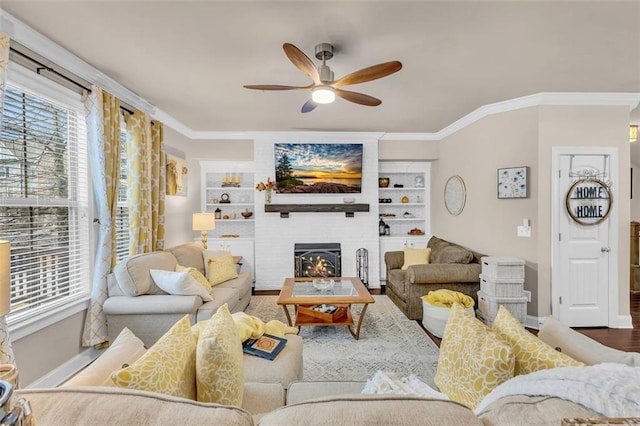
228 190
404 206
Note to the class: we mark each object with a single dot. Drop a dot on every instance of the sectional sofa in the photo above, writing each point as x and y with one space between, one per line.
320 403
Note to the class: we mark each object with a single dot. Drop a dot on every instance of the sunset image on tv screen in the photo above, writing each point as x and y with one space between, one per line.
318 168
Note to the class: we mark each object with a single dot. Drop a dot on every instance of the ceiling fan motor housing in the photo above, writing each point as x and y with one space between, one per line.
324 51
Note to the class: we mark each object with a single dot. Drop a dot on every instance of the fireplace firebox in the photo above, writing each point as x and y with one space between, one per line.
317 260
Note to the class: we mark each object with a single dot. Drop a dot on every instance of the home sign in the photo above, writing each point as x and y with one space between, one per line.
589 201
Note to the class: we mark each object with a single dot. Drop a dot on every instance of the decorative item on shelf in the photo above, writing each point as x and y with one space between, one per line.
225 217
204 222
416 231
6 351
418 199
267 188
230 180
405 200
348 200
214 201
407 215
383 182
387 229
218 213
385 200
381 227
224 198
398 185
232 215
418 181
246 214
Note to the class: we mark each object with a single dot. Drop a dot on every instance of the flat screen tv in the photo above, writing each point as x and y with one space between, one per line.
318 168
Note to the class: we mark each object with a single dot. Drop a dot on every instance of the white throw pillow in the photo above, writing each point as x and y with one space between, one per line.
124 350
179 283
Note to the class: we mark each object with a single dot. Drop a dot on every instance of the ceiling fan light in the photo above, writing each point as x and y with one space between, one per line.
323 95
633 133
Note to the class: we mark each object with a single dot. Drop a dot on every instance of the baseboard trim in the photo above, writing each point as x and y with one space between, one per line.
59 375
534 322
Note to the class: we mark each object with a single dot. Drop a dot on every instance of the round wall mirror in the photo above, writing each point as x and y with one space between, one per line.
455 195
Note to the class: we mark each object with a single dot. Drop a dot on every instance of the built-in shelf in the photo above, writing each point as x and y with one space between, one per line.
284 209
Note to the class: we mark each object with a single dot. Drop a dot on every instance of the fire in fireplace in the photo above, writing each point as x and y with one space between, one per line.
317 260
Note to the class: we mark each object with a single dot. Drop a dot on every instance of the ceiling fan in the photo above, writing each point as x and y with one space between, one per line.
324 88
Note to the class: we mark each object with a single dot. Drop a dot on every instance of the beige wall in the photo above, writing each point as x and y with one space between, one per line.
525 138
487 224
39 353
391 150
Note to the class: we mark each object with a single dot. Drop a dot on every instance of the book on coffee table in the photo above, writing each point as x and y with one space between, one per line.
266 346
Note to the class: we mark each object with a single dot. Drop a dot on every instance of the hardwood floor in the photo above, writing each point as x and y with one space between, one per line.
622 339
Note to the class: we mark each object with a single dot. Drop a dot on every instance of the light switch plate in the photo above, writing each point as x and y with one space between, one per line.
524 231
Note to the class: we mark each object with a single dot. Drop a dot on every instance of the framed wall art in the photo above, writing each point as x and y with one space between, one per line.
513 182
176 175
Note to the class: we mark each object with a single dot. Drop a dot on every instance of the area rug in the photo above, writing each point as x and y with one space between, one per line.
389 341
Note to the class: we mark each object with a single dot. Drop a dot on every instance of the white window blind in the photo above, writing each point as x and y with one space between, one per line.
44 202
122 211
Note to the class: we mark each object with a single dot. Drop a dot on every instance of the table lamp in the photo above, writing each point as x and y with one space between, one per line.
6 352
204 222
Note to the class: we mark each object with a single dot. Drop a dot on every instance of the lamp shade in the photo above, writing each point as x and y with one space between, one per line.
204 221
5 277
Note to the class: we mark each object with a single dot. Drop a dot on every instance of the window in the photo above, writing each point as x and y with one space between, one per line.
122 211
44 199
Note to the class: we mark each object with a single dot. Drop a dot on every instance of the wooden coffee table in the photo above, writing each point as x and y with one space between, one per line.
347 291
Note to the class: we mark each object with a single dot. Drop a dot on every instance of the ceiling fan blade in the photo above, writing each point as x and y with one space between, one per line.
309 106
275 87
358 98
367 74
302 62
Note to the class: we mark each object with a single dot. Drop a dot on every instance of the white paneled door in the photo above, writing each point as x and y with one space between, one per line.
580 292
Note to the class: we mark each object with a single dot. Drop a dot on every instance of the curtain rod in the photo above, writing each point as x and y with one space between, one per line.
44 67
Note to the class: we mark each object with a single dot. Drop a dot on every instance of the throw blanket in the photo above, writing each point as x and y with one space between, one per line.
612 390
446 298
383 382
250 327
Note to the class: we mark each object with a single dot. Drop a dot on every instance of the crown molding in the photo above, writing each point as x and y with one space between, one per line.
45 47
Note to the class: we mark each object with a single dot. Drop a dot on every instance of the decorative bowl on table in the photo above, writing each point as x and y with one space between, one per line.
323 284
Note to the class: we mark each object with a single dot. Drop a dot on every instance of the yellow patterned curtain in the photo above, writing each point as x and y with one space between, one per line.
103 134
145 183
158 185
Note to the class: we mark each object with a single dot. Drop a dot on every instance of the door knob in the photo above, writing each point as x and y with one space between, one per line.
605 249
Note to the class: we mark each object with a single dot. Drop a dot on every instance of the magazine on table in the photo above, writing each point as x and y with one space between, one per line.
266 346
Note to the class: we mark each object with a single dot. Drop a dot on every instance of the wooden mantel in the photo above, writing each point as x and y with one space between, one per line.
285 209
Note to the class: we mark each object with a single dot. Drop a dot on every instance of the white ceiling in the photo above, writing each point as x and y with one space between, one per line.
191 59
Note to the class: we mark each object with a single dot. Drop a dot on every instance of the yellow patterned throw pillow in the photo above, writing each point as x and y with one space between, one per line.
221 269
532 354
414 256
167 367
219 363
473 359
197 275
